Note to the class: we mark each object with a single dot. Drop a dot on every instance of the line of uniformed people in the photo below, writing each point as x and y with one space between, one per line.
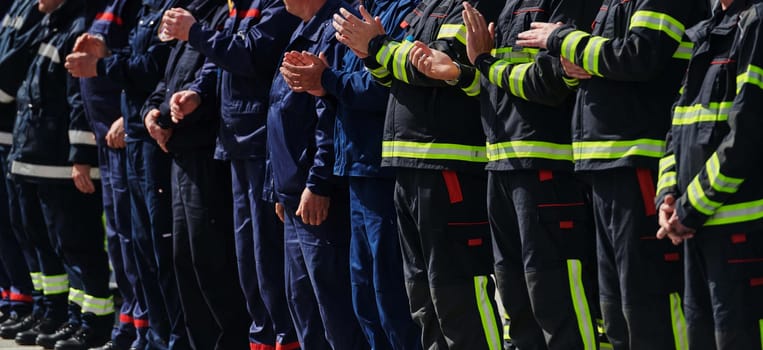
204 116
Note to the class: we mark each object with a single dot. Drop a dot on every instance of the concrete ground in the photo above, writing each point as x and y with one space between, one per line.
11 345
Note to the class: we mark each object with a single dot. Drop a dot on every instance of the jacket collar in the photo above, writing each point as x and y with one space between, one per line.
64 14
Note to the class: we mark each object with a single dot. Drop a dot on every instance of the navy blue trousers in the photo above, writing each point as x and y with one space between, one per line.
204 253
376 267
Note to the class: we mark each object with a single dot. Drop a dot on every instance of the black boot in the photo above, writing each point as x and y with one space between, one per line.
44 326
10 331
108 346
65 331
84 339
12 319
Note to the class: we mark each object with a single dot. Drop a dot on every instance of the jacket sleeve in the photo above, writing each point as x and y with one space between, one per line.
735 158
82 143
540 81
252 53
666 174
654 36
136 71
154 101
16 59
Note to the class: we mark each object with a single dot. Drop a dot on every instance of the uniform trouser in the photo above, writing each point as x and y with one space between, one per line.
259 251
14 253
640 282
376 267
148 178
447 258
318 278
543 236
724 290
116 207
74 218
53 276
204 248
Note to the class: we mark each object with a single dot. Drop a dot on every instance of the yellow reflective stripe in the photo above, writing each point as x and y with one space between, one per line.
36 280
714 112
571 82
380 72
753 75
718 181
56 284
496 72
487 315
474 88
761 333
605 346
736 213
440 151
699 199
98 306
457 31
679 322
386 52
684 50
517 79
529 149
580 303
76 296
667 162
618 149
658 21
591 54
666 181
398 63
570 44
523 55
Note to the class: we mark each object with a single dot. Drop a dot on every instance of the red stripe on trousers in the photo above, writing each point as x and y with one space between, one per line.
108 17
288 346
454 187
21 297
254 346
646 183
138 323
125 318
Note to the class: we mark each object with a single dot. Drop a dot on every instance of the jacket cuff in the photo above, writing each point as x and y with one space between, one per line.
688 216
373 48
165 120
100 66
554 41
195 34
330 81
83 154
319 186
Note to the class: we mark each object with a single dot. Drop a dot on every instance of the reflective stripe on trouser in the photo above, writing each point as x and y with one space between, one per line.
36 280
318 281
637 273
259 252
445 239
56 284
203 252
98 306
542 236
724 284
376 267
76 296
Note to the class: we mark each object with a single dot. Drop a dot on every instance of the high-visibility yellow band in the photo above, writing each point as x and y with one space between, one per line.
658 21
529 149
435 151
487 314
580 304
618 149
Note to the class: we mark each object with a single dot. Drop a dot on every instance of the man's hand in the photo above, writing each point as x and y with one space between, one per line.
356 33
574 71
313 209
538 35
115 138
183 103
92 45
81 65
479 35
176 23
433 63
157 133
303 71
670 226
279 211
81 177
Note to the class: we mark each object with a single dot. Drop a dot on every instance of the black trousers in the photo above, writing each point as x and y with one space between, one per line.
205 255
447 258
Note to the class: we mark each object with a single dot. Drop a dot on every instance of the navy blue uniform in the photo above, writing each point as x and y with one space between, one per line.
51 133
300 141
101 98
247 51
137 69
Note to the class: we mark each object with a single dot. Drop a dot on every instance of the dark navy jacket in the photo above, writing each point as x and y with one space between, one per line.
51 131
137 68
101 96
248 50
198 130
301 126
363 102
18 45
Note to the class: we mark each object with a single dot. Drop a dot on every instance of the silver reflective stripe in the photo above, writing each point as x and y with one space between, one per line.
98 306
18 23
6 138
49 51
48 171
6 97
79 137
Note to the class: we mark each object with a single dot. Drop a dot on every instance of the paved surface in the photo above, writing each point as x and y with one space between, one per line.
11 345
